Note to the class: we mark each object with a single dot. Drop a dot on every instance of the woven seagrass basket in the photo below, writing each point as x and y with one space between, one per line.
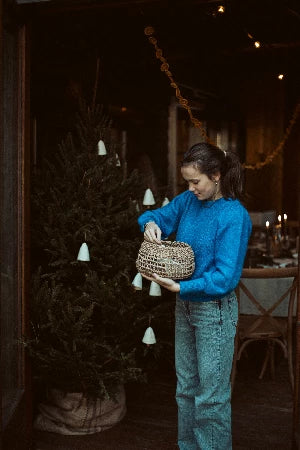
173 260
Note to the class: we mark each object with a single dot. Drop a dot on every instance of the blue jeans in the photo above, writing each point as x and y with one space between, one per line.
204 345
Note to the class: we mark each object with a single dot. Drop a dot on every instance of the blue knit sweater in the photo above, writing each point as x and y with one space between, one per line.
218 231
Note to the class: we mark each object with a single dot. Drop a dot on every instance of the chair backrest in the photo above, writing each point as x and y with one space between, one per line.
268 292
293 228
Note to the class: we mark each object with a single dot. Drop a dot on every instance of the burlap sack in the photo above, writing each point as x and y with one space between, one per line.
75 414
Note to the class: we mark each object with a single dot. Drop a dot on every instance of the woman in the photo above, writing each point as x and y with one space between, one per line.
209 217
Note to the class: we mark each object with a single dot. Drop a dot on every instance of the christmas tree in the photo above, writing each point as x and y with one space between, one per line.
84 307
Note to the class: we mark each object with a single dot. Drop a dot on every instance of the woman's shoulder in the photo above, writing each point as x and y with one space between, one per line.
234 207
184 196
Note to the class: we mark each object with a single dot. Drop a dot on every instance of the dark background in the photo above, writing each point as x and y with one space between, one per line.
210 56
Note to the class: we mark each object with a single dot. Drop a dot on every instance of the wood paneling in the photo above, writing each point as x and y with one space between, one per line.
262 103
15 398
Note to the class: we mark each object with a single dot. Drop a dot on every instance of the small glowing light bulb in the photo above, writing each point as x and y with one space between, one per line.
221 9
257 44
280 76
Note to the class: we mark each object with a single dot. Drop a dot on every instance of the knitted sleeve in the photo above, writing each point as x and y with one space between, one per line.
230 248
167 217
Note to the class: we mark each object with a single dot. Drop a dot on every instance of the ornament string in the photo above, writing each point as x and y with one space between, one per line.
149 32
96 83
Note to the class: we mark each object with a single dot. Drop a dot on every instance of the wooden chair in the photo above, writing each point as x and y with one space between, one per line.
293 228
262 321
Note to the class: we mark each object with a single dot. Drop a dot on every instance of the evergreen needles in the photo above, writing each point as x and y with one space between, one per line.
82 312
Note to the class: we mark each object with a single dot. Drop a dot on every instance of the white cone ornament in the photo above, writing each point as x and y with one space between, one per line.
101 148
165 201
137 282
83 254
149 337
155 290
148 198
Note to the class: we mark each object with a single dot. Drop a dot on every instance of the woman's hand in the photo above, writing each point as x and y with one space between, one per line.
167 283
152 233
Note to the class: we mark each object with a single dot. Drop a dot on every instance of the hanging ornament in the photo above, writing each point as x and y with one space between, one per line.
165 201
155 290
148 198
137 282
118 162
149 337
101 148
83 254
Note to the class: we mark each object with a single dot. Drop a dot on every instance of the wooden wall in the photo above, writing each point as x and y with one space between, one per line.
291 167
223 130
265 114
15 394
262 103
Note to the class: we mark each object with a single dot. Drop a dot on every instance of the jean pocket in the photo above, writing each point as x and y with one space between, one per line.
233 309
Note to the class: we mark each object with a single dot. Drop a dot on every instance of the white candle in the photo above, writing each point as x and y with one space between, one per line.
285 224
267 238
280 225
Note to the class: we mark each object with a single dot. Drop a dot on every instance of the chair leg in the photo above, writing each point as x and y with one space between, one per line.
290 364
265 363
272 358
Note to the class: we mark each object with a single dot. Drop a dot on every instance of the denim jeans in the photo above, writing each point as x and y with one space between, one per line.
204 345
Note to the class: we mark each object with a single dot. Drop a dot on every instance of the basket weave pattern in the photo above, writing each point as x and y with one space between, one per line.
173 260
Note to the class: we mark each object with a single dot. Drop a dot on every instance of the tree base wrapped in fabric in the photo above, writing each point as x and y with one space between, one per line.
76 414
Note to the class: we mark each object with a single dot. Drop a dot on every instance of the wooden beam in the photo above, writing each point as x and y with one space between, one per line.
109 3
59 6
172 147
88 3
22 2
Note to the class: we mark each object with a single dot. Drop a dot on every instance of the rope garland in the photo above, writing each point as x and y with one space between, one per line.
149 32
269 158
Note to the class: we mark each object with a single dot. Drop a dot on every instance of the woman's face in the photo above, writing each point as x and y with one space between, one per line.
203 187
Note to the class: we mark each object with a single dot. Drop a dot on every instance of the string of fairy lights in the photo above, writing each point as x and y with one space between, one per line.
149 32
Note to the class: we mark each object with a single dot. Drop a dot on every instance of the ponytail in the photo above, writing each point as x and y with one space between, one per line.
232 177
209 159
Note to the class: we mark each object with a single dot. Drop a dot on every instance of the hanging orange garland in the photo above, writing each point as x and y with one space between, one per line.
269 158
149 31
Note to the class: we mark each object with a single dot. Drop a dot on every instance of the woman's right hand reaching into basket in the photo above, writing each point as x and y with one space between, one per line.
152 233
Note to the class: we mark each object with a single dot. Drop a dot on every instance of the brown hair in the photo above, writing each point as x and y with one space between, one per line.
210 159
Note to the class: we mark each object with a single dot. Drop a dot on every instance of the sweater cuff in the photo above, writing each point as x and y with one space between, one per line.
191 287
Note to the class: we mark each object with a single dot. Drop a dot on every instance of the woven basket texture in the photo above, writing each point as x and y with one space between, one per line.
173 260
